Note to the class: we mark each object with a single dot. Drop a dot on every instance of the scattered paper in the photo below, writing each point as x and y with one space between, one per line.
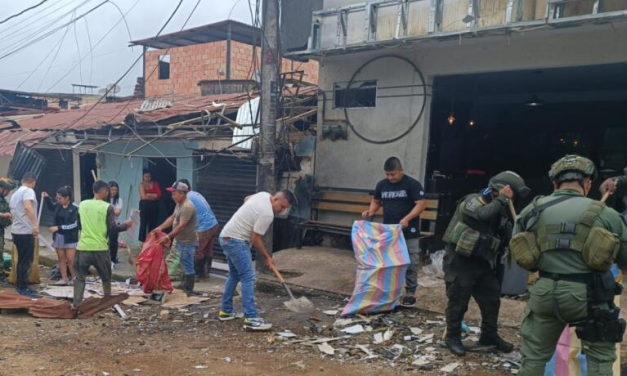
435 322
343 322
430 349
426 338
369 328
201 367
388 335
227 359
420 362
449 368
416 331
326 348
355 329
378 338
331 312
474 329
407 338
287 334
365 349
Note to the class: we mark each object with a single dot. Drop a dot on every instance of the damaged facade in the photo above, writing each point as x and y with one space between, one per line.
461 89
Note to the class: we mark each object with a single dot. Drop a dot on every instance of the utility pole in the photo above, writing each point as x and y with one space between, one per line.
270 62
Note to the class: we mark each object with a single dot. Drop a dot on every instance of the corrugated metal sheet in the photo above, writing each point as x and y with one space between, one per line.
8 140
225 183
248 114
154 104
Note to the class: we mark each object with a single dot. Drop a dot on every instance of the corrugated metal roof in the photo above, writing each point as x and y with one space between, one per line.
8 140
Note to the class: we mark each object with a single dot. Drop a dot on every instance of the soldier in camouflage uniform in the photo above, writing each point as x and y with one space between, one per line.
6 185
573 241
475 240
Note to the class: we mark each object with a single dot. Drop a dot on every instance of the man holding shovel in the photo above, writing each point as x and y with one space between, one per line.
248 225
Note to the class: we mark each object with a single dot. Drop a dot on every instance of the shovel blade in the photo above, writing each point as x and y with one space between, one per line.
300 305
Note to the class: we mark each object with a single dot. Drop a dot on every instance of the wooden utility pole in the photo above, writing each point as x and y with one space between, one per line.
270 63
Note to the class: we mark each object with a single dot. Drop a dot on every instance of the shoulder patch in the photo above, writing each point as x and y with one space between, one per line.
472 204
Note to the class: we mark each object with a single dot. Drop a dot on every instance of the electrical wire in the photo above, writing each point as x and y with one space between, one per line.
54 57
26 24
23 11
46 35
91 52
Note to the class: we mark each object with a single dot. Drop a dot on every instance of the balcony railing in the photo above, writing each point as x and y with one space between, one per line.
388 20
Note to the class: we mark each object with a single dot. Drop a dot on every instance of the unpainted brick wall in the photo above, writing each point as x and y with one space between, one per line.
191 64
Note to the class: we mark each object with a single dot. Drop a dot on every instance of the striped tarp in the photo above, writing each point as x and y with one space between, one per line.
382 261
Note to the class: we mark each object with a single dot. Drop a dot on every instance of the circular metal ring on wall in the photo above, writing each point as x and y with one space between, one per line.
422 109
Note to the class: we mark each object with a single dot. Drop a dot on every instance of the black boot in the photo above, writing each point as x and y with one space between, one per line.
455 346
190 280
499 343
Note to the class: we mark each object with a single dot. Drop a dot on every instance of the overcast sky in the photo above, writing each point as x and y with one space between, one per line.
35 68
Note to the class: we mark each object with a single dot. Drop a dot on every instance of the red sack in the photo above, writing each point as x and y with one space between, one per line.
152 270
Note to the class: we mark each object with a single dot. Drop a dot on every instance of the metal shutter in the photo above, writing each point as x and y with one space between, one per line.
225 183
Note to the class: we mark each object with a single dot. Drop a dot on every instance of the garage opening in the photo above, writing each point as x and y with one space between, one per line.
523 121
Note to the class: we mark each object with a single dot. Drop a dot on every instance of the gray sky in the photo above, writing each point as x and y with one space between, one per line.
111 58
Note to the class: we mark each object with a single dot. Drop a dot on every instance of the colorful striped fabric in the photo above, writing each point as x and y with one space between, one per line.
568 359
382 261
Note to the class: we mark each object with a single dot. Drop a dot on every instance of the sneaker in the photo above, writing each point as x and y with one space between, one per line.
61 282
408 301
112 265
225 316
27 292
257 324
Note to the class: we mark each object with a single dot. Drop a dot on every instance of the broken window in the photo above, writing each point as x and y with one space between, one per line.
360 94
164 67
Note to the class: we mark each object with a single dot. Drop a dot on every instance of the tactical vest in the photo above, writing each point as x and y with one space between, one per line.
598 246
469 242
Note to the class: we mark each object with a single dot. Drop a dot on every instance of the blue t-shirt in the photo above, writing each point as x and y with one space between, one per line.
206 219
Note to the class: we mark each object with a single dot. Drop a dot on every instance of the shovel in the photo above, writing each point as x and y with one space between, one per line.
300 305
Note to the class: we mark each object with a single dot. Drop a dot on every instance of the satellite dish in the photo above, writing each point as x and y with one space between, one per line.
113 89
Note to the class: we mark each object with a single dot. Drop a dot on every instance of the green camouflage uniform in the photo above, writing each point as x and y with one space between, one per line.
541 326
4 223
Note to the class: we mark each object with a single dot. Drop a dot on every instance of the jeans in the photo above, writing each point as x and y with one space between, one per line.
82 261
25 245
240 270
187 253
411 278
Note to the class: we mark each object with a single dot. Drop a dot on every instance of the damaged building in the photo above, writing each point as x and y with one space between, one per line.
460 90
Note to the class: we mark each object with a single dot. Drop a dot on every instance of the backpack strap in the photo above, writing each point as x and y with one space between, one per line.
580 230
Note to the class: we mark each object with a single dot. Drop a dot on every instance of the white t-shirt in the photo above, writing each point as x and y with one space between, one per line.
117 206
255 215
21 223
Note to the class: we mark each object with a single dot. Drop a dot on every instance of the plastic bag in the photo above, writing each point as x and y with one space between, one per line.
382 262
152 271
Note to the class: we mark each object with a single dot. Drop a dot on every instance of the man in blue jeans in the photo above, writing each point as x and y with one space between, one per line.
246 227
183 223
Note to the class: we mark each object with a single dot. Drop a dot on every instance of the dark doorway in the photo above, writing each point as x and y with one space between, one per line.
88 164
524 121
163 172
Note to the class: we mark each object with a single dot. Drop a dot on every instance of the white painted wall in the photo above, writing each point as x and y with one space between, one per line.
357 164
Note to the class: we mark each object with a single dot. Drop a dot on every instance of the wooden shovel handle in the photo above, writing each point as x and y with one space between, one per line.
277 274
512 210
605 196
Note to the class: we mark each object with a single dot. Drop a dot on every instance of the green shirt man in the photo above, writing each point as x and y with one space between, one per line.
560 295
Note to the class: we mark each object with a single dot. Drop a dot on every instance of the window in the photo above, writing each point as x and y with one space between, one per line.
164 67
360 94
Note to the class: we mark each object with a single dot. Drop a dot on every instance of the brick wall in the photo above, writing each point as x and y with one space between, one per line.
191 64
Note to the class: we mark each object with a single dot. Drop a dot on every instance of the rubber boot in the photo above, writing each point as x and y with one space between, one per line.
190 280
455 346
208 261
199 268
499 343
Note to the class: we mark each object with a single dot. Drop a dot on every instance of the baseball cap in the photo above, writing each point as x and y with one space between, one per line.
178 186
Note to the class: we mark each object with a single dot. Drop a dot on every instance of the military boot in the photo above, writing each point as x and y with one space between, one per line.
499 343
199 268
455 346
208 261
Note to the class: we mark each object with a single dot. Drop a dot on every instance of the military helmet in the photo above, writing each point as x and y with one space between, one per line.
7 183
515 181
572 167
